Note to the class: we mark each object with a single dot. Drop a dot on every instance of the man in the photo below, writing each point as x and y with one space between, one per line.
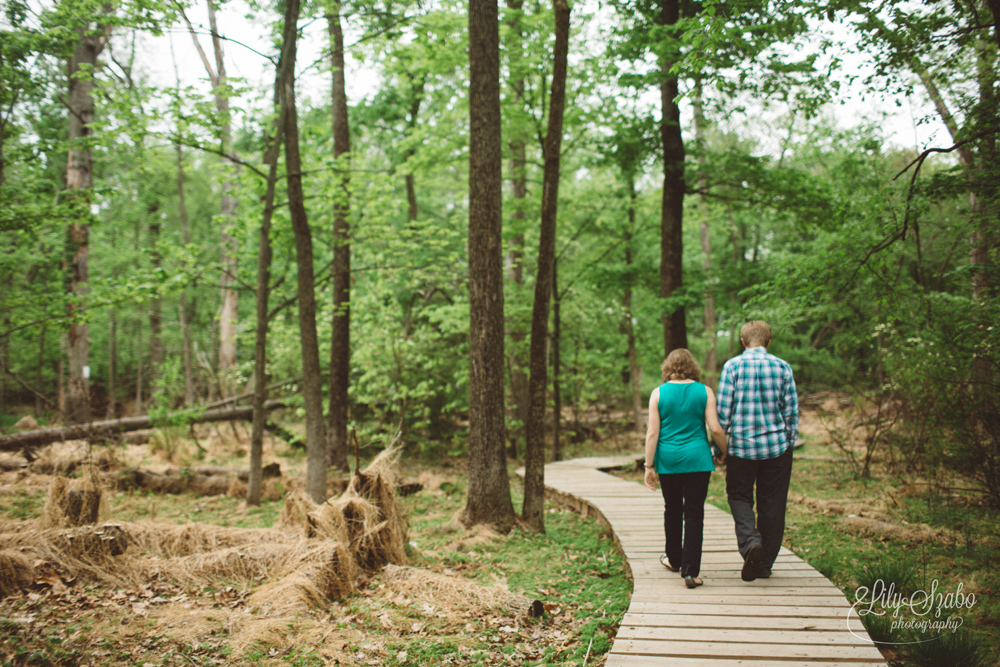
759 407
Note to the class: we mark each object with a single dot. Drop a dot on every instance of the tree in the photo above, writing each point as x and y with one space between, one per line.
340 343
312 388
91 38
534 460
228 315
489 489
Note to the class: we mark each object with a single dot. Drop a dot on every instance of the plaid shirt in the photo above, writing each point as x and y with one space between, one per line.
759 403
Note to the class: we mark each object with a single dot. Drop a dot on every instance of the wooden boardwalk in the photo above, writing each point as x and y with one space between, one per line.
797 617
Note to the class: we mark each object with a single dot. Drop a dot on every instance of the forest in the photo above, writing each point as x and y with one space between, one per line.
468 234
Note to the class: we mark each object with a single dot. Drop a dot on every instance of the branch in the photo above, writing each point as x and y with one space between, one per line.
212 76
24 384
216 151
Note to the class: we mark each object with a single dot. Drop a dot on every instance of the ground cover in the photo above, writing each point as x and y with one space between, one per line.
573 569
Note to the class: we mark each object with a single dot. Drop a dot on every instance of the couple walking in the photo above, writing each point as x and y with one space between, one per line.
758 406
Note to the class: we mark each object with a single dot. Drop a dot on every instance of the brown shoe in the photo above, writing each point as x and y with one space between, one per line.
751 563
763 572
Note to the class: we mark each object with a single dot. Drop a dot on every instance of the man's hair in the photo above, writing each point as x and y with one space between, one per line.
756 334
680 365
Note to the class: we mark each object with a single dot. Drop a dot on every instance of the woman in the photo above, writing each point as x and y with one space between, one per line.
677 450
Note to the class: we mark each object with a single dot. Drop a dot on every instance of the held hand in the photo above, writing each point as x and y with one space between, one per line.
650 479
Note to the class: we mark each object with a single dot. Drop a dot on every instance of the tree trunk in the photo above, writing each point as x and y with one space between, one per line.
411 123
633 361
671 227
312 384
255 481
38 371
340 344
711 364
182 310
557 453
155 307
534 454
228 315
79 165
138 367
489 488
112 363
515 253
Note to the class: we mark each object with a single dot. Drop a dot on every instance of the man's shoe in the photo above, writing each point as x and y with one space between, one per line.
751 563
763 572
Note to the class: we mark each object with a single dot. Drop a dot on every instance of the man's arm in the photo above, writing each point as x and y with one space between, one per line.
790 409
727 390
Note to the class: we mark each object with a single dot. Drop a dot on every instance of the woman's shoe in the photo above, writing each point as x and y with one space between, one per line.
692 582
666 563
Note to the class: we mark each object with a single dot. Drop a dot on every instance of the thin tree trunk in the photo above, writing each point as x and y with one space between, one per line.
488 499
515 253
228 315
38 370
182 309
633 361
256 479
711 363
671 223
534 455
411 123
78 183
340 343
138 368
557 452
155 308
312 384
112 363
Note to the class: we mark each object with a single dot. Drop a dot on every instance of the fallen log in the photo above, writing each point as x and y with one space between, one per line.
107 429
202 480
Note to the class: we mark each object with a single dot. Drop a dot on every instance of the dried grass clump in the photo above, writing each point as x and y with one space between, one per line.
91 552
196 538
323 572
296 509
16 572
75 502
244 565
456 592
271 488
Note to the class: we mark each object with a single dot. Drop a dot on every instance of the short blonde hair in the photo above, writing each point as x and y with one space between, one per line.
680 365
756 334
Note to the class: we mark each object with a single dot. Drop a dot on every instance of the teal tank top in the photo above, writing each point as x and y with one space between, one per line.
683 443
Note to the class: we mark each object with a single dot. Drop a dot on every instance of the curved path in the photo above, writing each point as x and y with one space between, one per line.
797 617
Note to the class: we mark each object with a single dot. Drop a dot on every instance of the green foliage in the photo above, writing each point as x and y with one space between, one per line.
962 648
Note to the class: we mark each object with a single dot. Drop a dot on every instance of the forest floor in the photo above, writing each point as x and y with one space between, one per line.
62 619
904 527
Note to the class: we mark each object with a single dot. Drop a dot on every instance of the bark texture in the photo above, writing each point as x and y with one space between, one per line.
711 363
340 344
534 455
671 222
489 499
312 388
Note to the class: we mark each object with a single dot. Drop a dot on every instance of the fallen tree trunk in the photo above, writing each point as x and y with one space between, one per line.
204 480
112 427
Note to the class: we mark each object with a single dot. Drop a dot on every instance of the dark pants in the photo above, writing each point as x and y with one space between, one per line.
771 477
684 505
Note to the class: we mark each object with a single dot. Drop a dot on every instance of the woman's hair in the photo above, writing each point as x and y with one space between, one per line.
680 365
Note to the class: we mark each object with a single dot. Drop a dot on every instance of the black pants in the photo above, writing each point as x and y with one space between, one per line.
771 477
684 508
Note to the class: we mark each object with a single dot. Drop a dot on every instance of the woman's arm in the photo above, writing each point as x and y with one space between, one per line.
712 419
652 435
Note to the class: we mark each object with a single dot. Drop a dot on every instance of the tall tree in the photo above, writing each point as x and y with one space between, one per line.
489 489
272 150
672 213
711 365
312 383
228 315
519 189
79 167
340 344
534 456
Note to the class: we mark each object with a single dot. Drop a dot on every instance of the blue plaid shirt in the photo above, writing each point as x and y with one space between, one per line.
758 405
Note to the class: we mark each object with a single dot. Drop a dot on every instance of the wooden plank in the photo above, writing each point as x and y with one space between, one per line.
626 660
741 622
840 637
797 652
703 609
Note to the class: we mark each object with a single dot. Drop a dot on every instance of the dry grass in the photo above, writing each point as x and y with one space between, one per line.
16 572
457 593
